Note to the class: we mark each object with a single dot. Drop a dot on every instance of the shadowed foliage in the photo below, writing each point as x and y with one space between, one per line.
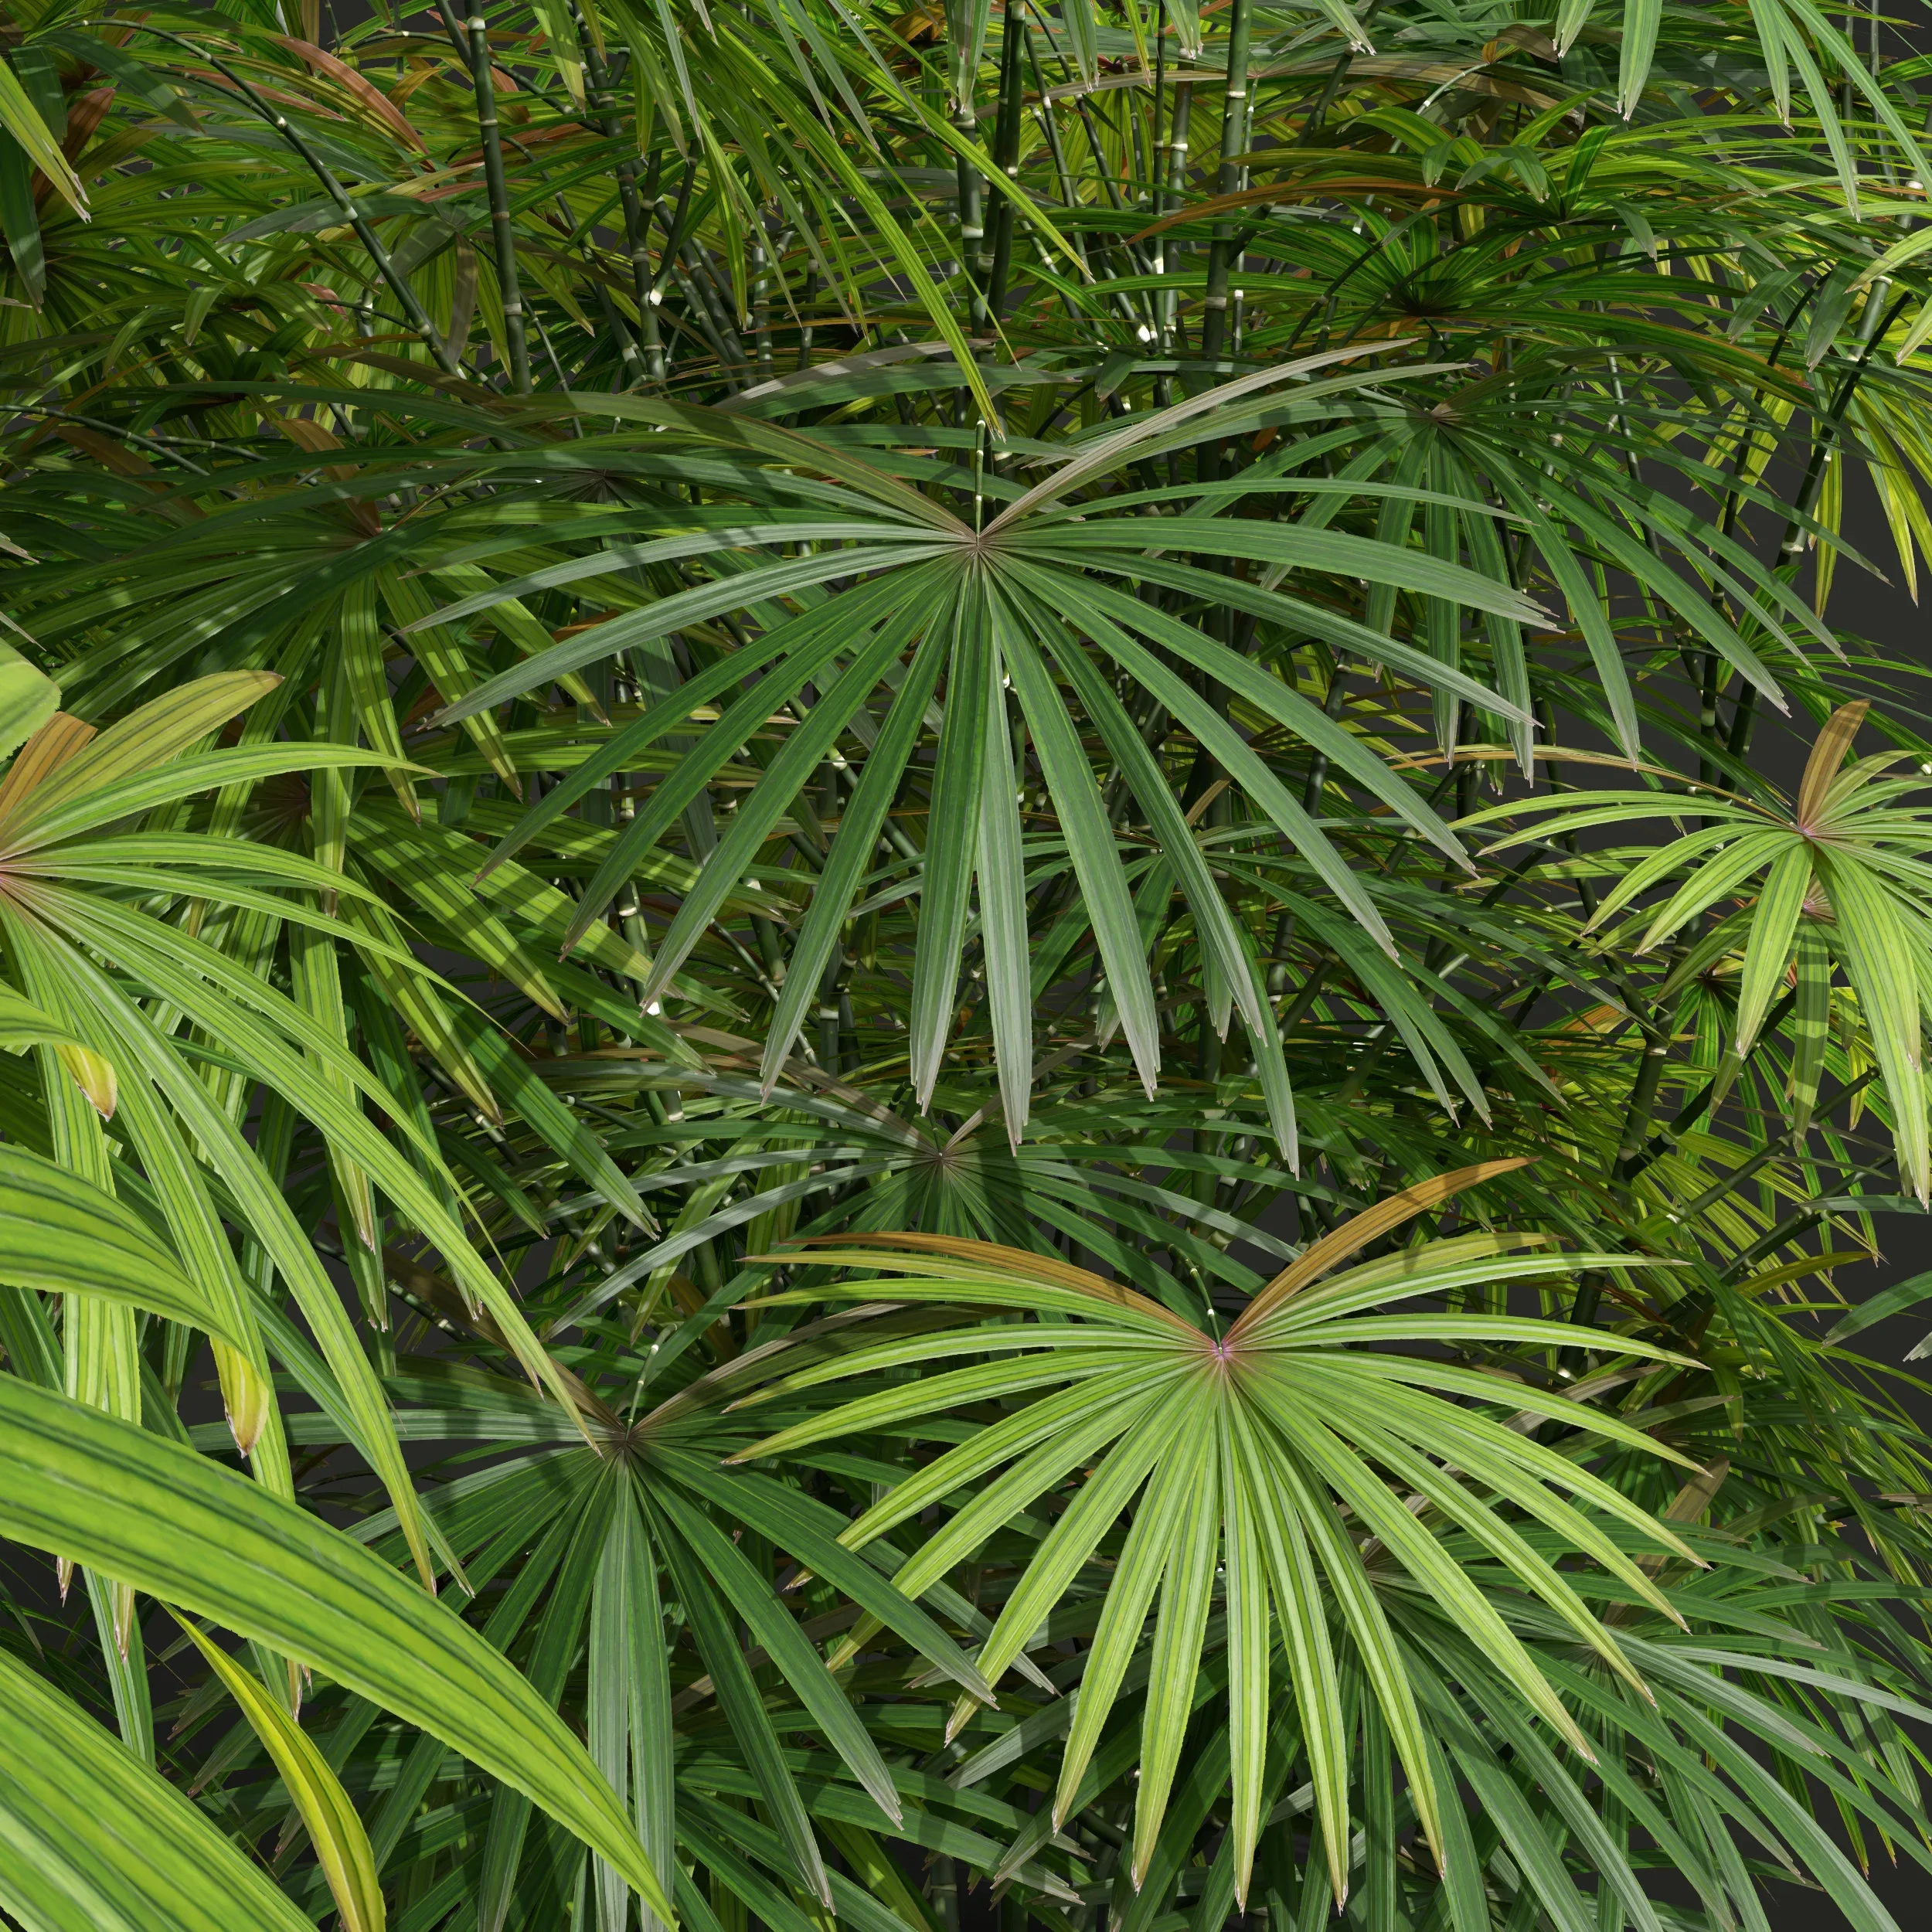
955 965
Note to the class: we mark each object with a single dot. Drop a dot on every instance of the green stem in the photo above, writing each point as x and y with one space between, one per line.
1172 333
1006 152
1664 1139
1234 142
498 189
972 219
637 219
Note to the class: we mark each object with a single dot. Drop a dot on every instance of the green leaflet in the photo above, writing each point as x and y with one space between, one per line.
97 1841
58 1232
630 1725
971 676
1181 1623
27 698
171 1523
22 121
154 735
333 1826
